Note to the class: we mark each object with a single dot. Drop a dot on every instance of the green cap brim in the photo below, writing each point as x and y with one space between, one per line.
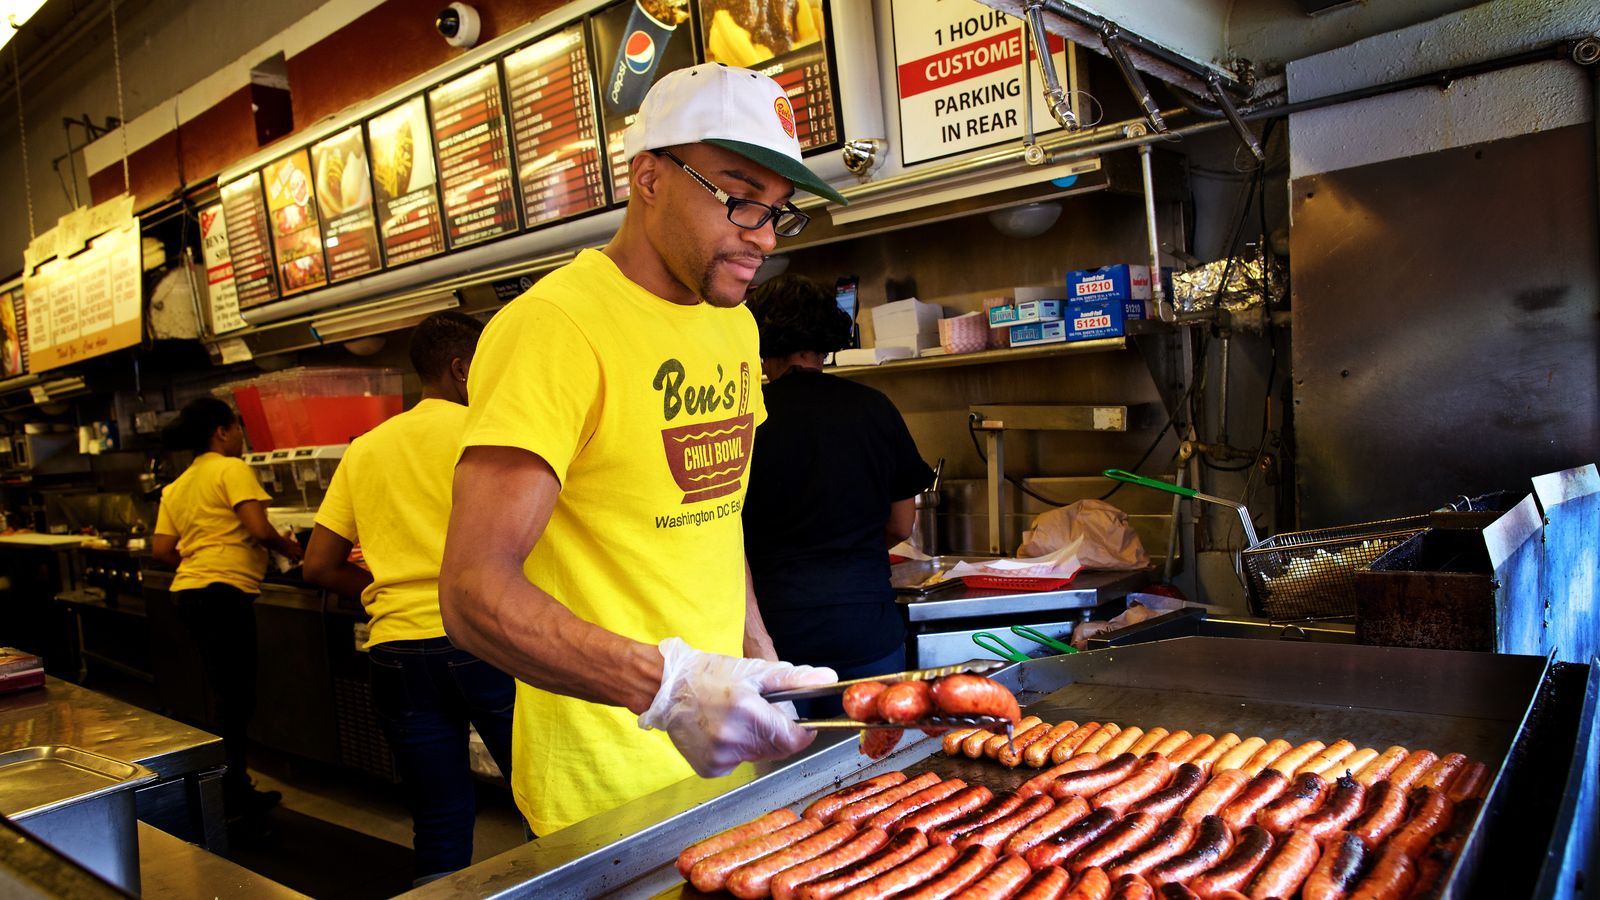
803 178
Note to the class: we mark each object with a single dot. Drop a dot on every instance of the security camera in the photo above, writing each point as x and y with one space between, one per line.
458 25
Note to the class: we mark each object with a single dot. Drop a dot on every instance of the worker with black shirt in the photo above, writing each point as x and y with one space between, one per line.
833 478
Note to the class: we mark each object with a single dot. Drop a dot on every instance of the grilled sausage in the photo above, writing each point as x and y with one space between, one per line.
1172 837
1430 814
1092 884
876 743
1391 877
1094 781
1131 887
1119 839
1153 772
1294 859
1212 842
1175 891
951 744
1048 883
887 817
1052 823
1171 742
737 835
904 877
858 848
1068 746
860 811
998 742
969 864
1327 759
1121 741
1342 806
1439 774
1250 851
1212 799
1292 759
1094 743
1011 756
1000 882
993 812
1261 790
1190 749
1059 849
964 802
711 873
972 747
974 695
1040 783
1143 745
897 850
861 701
1208 758
1468 783
1381 767
1304 796
754 880
1411 769
906 701
1038 753
1185 783
1269 754
1384 811
1241 753
995 834
1338 869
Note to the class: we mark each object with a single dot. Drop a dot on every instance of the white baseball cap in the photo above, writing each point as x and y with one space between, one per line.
735 109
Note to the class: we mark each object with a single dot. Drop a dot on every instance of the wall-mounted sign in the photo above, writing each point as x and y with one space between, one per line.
222 296
958 67
403 179
554 128
344 195
244 215
637 42
786 41
469 133
14 321
296 226
88 304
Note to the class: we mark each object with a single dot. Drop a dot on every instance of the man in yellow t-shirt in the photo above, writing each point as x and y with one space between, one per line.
391 493
595 548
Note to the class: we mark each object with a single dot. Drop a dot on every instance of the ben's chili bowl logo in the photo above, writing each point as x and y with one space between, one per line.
785 115
707 458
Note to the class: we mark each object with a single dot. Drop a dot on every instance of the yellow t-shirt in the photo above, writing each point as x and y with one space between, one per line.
646 411
198 509
391 494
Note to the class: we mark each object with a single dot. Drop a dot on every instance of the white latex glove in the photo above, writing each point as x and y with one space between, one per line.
711 707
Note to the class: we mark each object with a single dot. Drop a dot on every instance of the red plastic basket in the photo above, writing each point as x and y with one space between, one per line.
1015 582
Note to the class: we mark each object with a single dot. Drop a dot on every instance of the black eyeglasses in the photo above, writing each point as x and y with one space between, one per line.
786 220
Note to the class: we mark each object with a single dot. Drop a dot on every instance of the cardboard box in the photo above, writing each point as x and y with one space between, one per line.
905 317
1123 281
915 342
1038 333
1003 316
1090 319
1039 311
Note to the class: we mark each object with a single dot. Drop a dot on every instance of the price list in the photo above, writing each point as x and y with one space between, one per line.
553 128
810 88
244 213
344 194
469 134
404 183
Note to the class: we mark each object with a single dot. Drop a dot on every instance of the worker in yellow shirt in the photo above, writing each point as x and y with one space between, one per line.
391 493
595 548
212 527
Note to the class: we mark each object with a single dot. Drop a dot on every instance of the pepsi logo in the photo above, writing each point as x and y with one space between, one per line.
785 115
640 52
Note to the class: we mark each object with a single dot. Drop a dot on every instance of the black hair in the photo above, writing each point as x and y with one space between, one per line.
440 338
794 314
196 423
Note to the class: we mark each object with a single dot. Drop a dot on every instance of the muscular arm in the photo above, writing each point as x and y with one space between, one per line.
902 515
254 516
757 642
328 564
490 608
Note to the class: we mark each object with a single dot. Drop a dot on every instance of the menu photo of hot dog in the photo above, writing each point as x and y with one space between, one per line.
748 33
296 231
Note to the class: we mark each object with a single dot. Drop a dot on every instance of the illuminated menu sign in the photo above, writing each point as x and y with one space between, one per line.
344 195
469 132
403 183
786 42
637 42
14 317
554 129
244 214
296 232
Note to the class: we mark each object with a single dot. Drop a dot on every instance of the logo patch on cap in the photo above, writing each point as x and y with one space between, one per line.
785 115
639 50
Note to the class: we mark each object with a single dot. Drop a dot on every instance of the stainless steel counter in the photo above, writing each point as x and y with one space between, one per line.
1087 591
169 867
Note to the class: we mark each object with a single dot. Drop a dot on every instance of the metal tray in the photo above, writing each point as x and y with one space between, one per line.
40 780
920 577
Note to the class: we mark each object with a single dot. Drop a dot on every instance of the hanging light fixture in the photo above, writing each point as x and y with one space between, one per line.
14 13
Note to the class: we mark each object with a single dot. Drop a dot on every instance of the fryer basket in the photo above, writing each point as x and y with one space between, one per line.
1312 574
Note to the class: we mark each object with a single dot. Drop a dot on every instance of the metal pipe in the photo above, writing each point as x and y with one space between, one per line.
1222 393
1097 23
1027 86
996 439
1060 109
1158 294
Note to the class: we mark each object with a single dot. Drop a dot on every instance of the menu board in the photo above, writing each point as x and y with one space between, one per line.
221 293
553 127
786 42
403 183
469 132
637 42
14 320
88 304
244 214
957 66
344 195
296 231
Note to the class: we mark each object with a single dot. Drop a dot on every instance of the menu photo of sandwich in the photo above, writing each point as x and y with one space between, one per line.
296 235
747 33
343 185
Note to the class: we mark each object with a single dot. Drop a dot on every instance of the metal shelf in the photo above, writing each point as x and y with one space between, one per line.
982 357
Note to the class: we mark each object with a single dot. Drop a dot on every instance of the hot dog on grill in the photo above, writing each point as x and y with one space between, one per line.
735 836
995 834
1241 753
964 802
825 808
1048 883
908 875
993 812
1000 882
1390 878
1052 823
1122 741
1186 782
1208 758
1012 756
1269 754
974 695
1353 763
1127 834
711 873
876 743
858 848
1406 775
1057 850
953 739
1337 870
969 866
1468 783
1096 780
1250 851
898 849
1261 790
1385 810
1172 837
1128 886
1094 743
753 880
1191 749
860 811
1040 783
1381 767
1343 805
1068 746
1327 759
1430 814
1144 745
1304 796
1153 772
998 742
1092 884
890 815
1038 753
1212 799
1212 842
1439 774
1171 742
1293 860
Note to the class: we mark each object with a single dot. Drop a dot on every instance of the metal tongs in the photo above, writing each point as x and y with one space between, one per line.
971 666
